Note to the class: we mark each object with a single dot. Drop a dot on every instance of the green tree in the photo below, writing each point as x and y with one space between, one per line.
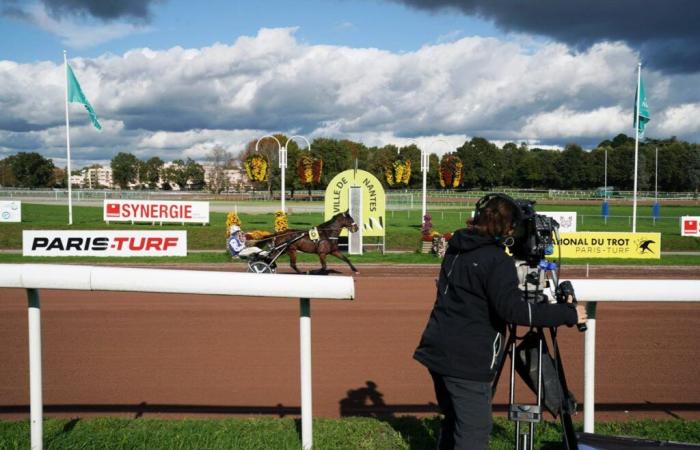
151 171
337 156
483 163
513 169
175 173
572 164
31 170
194 173
125 168
7 176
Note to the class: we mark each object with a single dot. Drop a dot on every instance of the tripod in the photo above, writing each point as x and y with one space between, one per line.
548 380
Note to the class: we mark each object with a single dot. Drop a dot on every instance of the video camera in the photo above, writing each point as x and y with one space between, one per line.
534 234
534 240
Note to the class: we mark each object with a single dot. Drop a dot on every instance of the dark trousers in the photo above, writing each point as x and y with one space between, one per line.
466 406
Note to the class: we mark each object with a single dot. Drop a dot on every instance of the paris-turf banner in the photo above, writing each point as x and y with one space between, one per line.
155 211
591 244
104 243
373 200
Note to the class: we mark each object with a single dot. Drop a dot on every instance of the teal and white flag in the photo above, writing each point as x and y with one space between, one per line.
75 95
643 108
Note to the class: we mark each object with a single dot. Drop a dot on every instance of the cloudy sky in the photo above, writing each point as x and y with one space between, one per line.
174 78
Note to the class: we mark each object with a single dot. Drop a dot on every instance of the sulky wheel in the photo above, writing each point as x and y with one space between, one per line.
260 267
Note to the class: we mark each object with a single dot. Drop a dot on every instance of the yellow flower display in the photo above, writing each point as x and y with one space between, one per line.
256 235
398 173
398 170
281 222
450 171
309 169
406 172
458 174
389 175
231 219
256 168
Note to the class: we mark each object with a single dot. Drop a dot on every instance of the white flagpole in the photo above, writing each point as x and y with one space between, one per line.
636 147
70 195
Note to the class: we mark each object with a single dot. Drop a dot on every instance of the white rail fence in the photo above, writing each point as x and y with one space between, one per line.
34 277
593 291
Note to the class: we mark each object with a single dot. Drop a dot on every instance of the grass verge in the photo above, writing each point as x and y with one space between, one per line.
402 233
273 433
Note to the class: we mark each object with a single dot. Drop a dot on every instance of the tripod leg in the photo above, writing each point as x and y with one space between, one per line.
502 358
570 441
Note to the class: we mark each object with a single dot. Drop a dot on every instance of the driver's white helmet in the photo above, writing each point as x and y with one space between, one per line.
235 229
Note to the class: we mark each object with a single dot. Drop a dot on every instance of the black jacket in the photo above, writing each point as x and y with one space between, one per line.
477 296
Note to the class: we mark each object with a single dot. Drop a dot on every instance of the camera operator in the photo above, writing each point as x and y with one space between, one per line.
477 295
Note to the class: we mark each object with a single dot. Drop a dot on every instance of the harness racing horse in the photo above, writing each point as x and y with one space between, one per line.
325 243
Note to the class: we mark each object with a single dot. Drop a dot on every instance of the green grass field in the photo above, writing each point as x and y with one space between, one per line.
403 233
280 434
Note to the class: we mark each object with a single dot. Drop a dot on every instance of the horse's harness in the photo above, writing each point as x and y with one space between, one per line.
319 234
322 234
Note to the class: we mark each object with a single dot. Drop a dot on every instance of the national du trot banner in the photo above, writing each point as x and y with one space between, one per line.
609 245
163 211
104 243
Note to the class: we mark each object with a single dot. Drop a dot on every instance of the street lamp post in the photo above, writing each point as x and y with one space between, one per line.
308 146
282 157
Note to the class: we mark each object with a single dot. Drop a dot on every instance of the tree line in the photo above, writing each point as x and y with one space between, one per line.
484 166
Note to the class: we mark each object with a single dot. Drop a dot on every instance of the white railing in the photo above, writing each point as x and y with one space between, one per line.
593 291
33 277
44 276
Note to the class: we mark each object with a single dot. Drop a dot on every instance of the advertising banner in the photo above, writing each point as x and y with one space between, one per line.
609 245
104 243
373 220
690 226
10 211
157 211
566 220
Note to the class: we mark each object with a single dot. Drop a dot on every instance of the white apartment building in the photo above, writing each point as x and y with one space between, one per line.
93 178
98 177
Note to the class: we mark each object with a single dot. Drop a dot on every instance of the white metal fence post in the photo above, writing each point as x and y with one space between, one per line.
589 371
305 347
36 405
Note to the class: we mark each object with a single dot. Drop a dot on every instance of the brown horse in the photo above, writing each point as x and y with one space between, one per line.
326 242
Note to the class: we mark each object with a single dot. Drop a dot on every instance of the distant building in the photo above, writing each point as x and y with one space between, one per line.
98 177
237 179
77 180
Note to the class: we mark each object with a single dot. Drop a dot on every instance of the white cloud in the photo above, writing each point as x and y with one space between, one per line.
681 120
563 123
180 102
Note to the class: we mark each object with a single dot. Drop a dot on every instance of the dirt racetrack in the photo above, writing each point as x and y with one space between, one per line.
135 355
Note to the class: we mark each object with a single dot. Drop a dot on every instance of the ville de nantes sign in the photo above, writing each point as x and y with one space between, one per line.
373 200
